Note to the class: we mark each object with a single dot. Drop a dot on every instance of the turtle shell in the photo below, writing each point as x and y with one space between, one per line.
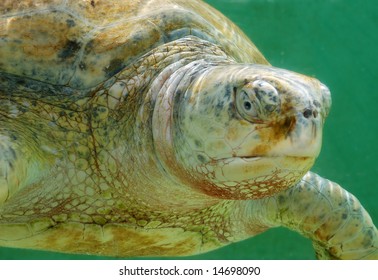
83 43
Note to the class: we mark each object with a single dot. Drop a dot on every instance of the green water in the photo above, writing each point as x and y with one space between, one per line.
336 42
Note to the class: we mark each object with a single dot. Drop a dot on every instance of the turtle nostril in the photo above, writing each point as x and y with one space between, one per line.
308 113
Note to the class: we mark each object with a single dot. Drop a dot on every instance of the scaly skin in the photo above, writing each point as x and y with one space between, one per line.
102 171
164 133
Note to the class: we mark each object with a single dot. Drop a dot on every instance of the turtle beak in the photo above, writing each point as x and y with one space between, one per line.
304 138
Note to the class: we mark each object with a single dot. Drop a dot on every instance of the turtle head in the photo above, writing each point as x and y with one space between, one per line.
247 131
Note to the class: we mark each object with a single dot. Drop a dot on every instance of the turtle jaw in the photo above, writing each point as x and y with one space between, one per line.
254 177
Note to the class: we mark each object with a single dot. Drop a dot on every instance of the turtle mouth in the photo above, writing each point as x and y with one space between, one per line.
246 168
260 157
252 163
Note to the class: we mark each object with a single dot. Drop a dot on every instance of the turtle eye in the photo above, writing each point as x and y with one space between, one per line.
256 100
246 105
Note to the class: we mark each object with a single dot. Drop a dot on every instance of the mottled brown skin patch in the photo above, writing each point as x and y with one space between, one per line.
261 150
275 131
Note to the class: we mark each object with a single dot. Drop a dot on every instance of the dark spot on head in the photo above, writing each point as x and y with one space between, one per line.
89 46
270 108
258 93
69 50
176 100
82 66
70 22
232 112
316 104
114 67
227 95
344 216
219 107
93 4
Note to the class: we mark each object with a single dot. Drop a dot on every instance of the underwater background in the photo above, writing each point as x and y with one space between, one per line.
335 41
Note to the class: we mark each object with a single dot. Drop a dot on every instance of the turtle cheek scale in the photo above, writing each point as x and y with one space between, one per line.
240 159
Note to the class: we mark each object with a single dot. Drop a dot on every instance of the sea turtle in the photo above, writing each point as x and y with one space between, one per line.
154 127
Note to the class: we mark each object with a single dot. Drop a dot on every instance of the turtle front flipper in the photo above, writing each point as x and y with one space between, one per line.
321 210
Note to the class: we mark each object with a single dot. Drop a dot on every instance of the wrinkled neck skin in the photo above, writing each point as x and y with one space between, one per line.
98 142
154 130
